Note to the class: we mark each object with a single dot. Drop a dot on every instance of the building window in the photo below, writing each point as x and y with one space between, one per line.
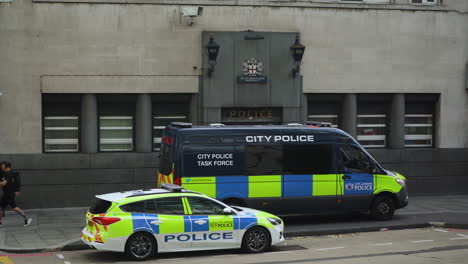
371 130
61 134
61 123
418 130
366 1
424 2
419 120
116 133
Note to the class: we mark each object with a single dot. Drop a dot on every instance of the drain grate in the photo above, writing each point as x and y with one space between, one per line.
287 248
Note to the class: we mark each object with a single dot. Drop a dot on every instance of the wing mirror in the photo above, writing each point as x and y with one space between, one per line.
228 211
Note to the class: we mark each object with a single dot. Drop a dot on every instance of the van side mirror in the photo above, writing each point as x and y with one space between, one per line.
228 211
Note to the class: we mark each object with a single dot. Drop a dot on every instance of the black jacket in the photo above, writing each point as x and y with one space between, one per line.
13 182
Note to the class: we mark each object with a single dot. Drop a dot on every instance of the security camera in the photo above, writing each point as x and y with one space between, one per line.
191 11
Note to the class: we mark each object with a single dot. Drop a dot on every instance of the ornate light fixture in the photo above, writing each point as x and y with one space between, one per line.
212 49
297 51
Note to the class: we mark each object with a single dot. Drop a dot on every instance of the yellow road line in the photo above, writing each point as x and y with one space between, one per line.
6 260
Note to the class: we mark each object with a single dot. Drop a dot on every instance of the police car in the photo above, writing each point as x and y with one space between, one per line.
144 222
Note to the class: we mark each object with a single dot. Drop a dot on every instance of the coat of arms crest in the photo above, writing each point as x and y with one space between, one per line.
252 67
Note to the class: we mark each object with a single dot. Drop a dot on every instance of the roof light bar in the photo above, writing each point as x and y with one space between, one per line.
172 187
319 124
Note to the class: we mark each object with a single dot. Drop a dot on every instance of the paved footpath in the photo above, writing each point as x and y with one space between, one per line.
60 229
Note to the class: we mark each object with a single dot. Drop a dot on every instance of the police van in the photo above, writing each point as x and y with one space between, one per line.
283 169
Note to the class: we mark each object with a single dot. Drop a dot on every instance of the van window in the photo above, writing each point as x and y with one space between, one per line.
307 159
214 161
355 160
166 159
264 159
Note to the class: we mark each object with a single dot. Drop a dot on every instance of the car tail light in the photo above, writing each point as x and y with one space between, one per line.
105 220
178 181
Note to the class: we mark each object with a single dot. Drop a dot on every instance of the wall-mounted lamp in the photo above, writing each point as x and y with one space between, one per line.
297 51
212 48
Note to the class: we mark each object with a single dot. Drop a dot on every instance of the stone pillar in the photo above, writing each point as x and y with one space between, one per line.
89 124
143 123
396 135
349 114
194 109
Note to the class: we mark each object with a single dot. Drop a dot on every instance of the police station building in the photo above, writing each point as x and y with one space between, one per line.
87 86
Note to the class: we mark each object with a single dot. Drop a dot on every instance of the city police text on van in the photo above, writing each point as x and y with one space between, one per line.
280 138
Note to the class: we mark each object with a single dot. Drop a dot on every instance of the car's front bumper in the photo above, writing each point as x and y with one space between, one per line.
277 234
402 197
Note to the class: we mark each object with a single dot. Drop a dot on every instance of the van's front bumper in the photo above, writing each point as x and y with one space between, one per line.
402 197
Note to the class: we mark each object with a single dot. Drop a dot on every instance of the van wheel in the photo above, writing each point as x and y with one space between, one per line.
382 208
140 246
256 240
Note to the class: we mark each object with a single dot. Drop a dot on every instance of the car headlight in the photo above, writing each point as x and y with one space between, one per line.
400 181
274 221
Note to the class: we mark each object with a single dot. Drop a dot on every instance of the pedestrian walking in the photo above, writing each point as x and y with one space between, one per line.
11 188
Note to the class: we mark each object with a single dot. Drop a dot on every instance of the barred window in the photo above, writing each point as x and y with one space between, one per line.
116 133
424 2
418 130
61 134
371 130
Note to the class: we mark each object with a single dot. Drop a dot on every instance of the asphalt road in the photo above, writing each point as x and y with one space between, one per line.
428 245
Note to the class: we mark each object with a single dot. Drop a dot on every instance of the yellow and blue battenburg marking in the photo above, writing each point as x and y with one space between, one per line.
192 223
222 187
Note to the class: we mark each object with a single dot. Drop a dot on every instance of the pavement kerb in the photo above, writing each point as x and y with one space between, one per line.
56 247
77 244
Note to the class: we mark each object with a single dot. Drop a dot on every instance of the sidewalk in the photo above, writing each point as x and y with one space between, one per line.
60 229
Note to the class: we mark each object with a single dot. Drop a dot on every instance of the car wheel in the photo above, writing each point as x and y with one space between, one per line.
256 239
141 246
382 208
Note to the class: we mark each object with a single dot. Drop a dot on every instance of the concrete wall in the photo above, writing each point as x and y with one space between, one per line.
57 180
350 48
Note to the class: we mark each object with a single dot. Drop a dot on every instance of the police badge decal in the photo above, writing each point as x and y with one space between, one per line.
252 72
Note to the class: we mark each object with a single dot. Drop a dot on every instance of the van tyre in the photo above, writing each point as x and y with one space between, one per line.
256 240
382 208
141 246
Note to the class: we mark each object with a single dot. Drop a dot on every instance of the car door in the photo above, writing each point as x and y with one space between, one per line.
170 224
211 228
357 179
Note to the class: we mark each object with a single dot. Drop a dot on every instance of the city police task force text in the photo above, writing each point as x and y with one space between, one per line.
280 138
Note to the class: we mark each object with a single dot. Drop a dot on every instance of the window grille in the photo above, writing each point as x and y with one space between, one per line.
116 133
371 130
61 134
418 130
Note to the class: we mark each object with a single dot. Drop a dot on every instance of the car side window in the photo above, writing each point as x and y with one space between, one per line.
169 206
355 160
204 206
136 207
